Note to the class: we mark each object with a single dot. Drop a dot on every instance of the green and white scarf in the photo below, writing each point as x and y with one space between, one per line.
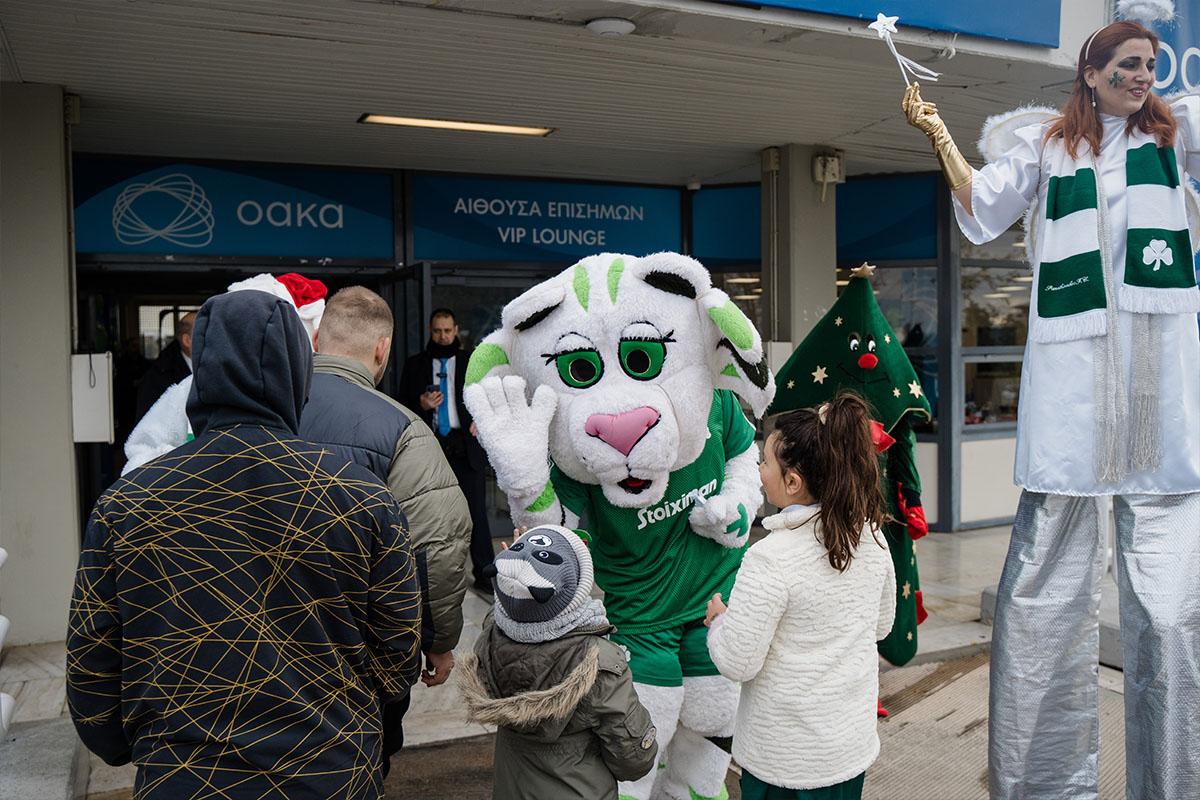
1075 289
1159 277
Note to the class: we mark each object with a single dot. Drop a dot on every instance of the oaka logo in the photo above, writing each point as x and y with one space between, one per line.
172 207
281 214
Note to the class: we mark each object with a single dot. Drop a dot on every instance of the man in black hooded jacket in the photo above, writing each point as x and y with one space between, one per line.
245 604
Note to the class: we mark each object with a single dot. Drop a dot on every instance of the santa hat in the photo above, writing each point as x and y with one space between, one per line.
306 294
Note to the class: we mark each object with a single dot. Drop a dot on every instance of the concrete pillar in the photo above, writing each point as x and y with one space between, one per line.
799 247
39 521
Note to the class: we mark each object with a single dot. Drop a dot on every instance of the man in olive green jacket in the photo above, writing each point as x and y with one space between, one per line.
347 415
569 722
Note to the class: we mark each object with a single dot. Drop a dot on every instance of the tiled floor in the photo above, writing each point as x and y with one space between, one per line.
955 568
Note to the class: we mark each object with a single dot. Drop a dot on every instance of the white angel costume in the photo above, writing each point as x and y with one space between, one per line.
1109 405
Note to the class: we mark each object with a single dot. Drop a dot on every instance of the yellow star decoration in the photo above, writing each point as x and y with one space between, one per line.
910 636
838 322
791 384
915 389
820 375
895 392
864 270
887 338
906 590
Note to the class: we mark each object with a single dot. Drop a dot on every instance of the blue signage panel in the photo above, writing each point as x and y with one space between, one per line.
124 206
886 218
1179 51
483 219
1031 21
727 225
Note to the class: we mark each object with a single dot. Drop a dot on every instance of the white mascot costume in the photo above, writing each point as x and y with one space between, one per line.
622 369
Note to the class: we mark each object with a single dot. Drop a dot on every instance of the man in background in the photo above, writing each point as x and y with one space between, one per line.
347 415
173 364
432 384
247 603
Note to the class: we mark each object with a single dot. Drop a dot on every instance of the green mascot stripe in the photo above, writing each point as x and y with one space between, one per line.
734 325
614 277
485 358
731 371
544 501
583 286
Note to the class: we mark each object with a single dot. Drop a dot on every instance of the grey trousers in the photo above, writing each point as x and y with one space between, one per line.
1043 725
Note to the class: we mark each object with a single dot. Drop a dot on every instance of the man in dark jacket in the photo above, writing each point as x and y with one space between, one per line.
245 604
347 415
173 364
432 385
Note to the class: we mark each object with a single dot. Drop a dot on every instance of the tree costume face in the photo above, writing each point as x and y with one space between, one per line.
854 348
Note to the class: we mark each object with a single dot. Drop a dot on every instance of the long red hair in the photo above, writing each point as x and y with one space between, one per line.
1080 121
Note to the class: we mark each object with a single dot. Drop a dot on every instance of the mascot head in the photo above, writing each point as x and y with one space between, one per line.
633 347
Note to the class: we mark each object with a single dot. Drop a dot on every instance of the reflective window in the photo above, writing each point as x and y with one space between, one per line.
995 306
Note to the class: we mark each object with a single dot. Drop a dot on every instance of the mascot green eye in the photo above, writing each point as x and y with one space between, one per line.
580 368
642 359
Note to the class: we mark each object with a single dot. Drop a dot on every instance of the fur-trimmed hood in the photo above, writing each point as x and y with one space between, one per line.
530 687
531 708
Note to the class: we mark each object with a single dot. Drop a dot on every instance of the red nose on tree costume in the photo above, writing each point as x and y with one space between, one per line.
853 347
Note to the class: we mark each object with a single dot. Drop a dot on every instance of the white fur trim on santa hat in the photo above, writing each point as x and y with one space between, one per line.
310 314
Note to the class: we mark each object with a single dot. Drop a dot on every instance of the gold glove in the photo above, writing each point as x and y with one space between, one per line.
923 115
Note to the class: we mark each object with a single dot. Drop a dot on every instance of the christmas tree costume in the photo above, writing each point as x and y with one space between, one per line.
624 370
853 347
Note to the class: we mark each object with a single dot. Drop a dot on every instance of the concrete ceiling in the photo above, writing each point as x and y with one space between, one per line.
694 94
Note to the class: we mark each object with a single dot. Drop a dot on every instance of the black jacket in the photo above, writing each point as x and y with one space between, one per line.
246 603
417 374
166 371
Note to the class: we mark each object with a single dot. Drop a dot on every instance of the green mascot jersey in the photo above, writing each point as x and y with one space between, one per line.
854 348
656 572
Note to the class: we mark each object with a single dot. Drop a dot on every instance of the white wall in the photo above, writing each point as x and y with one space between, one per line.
39 523
988 491
927 468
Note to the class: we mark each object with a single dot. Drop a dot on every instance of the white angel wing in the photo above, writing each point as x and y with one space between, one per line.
997 138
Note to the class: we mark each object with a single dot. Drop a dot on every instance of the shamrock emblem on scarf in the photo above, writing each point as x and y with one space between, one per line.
1157 253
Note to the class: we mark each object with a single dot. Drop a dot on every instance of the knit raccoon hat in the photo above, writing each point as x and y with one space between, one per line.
543 584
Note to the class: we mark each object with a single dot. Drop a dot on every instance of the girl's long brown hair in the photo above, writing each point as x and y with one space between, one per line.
1080 121
837 460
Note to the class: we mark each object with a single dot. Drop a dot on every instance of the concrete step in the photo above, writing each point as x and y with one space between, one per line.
43 760
1110 619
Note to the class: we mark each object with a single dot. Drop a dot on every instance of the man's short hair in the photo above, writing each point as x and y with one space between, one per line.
355 320
184 326
442 312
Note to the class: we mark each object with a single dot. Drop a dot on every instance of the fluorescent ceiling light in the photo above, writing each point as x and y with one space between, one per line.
1013 288
479 127
745 297
743 280
1024 278
844 283
997 296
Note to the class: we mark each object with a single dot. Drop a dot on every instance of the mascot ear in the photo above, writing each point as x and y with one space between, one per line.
490 357
494 354
736 355
735 352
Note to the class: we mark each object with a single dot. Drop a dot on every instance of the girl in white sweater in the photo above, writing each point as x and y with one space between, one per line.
809 603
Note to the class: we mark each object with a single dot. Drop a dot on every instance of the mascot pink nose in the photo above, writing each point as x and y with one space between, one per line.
622 431
868 361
